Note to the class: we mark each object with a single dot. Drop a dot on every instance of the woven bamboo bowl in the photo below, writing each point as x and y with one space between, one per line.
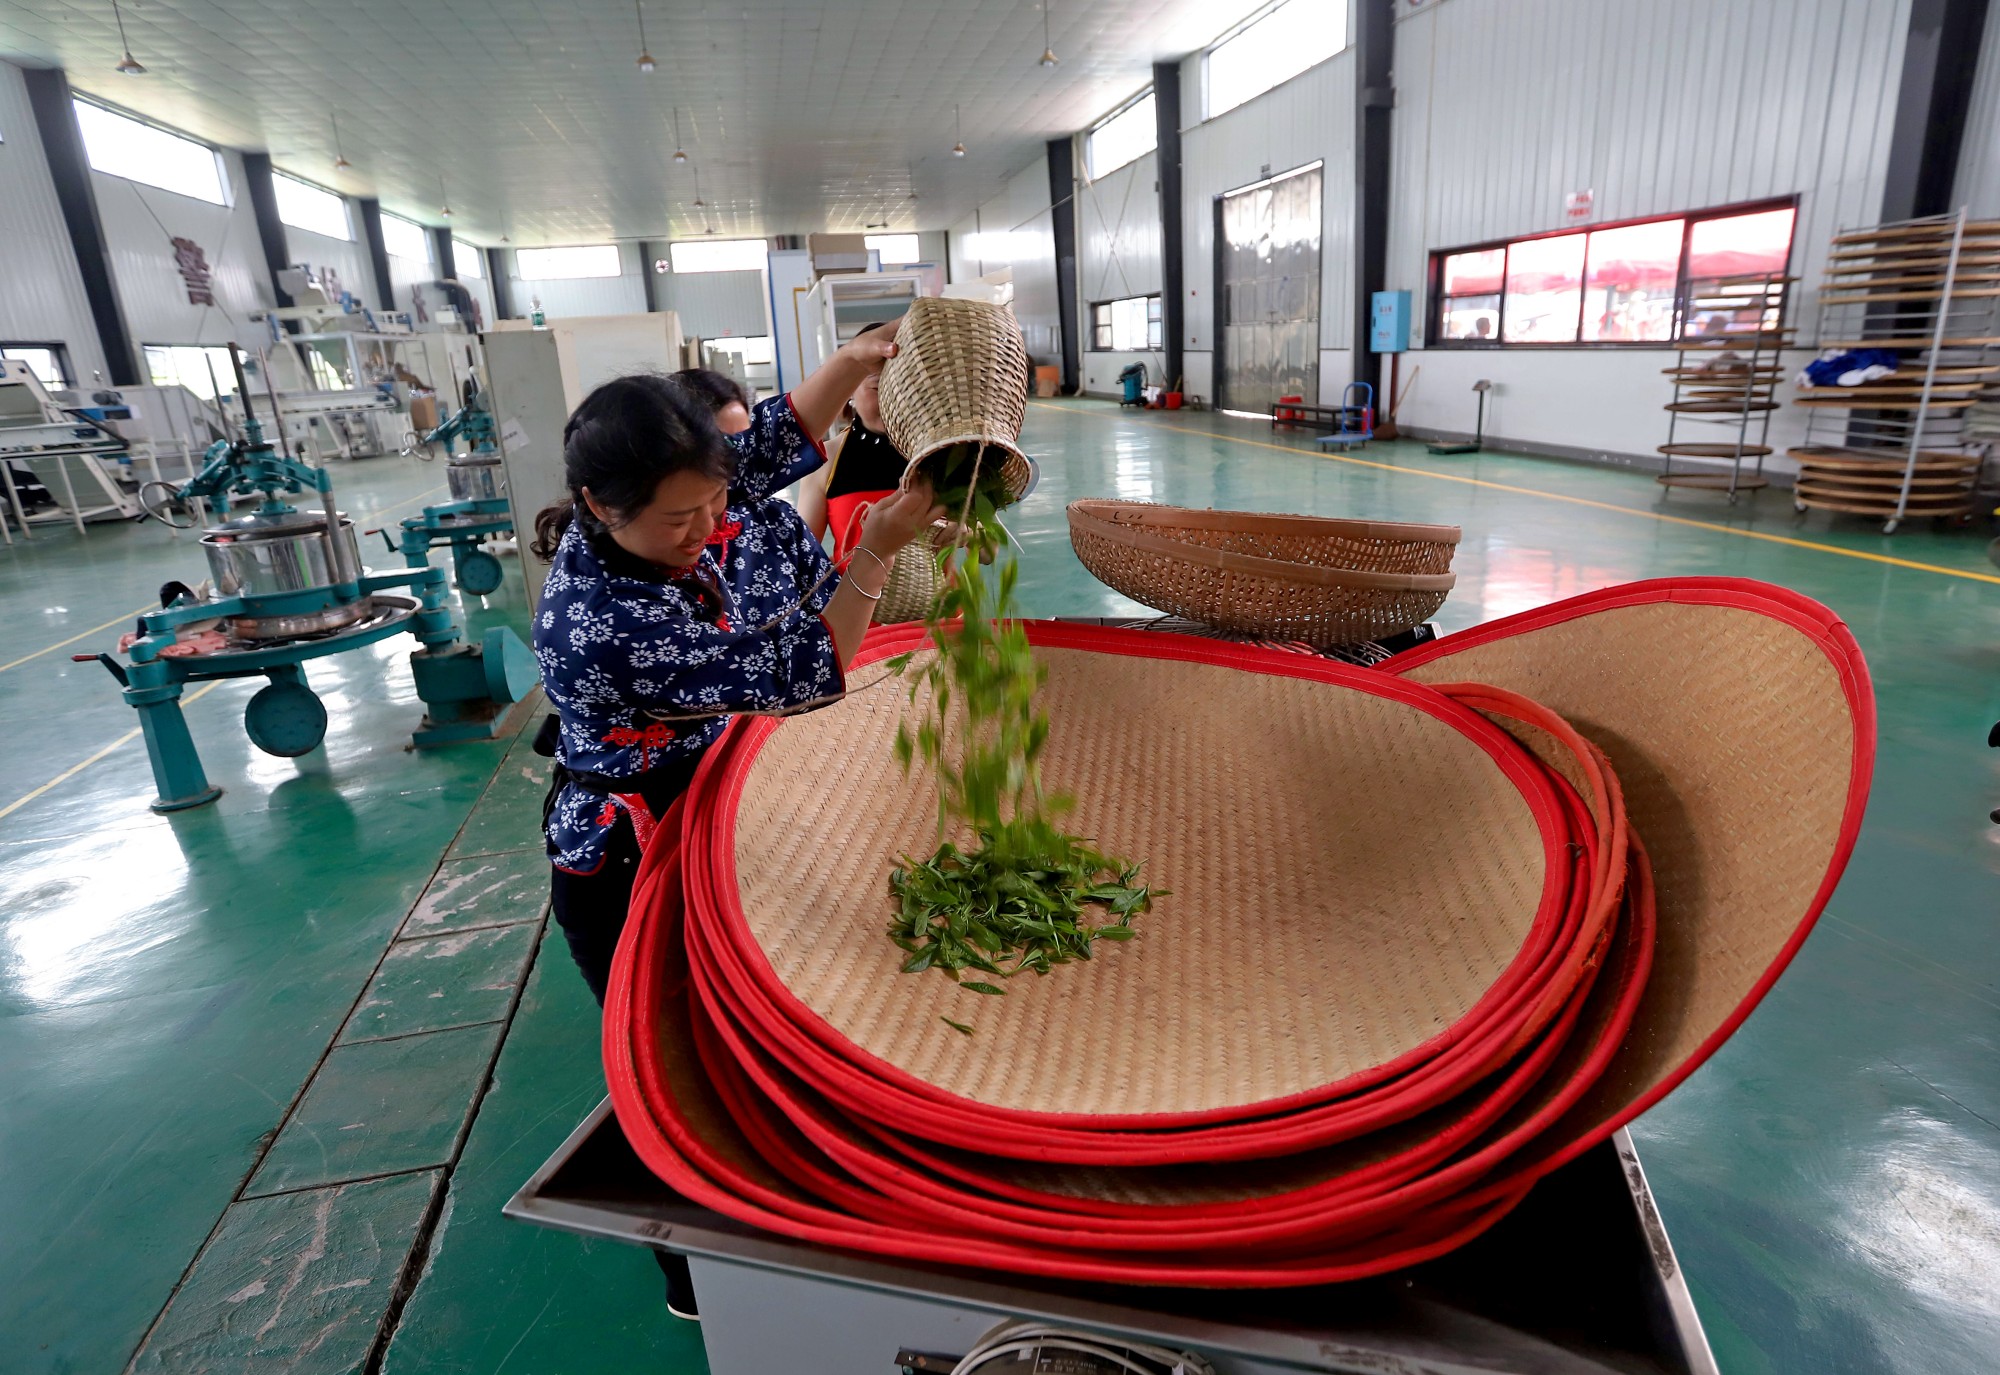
1325 582
960 376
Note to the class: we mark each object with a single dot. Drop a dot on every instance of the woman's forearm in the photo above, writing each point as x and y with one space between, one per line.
849 612
817 400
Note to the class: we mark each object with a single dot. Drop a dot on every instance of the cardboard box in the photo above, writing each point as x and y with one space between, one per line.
1048 381
423 413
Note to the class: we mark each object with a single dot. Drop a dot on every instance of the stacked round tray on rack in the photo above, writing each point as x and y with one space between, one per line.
1411 955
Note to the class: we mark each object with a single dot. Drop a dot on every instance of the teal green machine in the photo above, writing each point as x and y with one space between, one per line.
477 511
287 588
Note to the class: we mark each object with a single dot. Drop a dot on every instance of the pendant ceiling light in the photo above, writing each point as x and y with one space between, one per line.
958 132
646 63
679 155
445 198
699 203
340 162
1049 58
911 169
130 65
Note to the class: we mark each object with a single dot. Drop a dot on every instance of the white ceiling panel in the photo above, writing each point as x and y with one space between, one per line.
533 117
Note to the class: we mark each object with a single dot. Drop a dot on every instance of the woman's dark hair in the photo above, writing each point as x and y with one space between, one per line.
626 438
716 388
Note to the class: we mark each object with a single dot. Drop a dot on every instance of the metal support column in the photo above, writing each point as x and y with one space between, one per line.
1062 210
69 167
1940 63
1374 104
1167 122
648 251
503 290
270 228
378 252
447 262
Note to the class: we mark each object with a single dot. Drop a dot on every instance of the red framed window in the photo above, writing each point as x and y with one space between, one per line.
1617 284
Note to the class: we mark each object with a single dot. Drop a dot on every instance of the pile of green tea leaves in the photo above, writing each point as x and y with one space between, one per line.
1029 895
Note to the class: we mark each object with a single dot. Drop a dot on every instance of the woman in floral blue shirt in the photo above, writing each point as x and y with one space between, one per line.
682 590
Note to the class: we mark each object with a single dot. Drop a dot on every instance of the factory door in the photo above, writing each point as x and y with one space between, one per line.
1267 270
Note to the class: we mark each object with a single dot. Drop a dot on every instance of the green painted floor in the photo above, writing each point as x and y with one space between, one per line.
271 1064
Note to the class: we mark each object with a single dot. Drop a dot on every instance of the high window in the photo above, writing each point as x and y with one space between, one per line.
121 146
1272 49
896 249
406 239
1123 136
305 206
202 368
719 255
576 260
1616 284
49 362
1131 325
468 261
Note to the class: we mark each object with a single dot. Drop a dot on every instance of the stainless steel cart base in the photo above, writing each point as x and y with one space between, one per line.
1580 1280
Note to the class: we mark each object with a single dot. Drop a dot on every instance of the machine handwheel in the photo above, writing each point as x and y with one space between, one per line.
478 572
285 719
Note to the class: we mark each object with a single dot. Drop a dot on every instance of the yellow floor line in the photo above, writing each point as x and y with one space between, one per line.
139 611
1965 573
50 649
73 770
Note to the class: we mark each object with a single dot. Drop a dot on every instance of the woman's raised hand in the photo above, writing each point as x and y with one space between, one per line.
876 347
900 517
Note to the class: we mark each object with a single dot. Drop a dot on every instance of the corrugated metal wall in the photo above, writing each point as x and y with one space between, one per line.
140 223
1979 159
713 305
1308 119
41 291
1505 106
1016 230
1118 252
348 258
624 294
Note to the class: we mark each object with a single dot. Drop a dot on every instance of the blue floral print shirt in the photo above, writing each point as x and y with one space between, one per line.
622 645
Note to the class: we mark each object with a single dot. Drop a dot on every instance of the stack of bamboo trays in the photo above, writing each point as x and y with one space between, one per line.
1907 444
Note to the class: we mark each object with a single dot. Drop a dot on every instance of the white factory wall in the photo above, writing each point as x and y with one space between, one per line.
1979 158
1015 229
407 275
482 292
140 223
347 258
717 305
41 291
1118 255
1307 119
1504 106
562 297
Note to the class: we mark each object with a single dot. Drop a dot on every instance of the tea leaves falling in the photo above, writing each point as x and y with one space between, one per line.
1028 895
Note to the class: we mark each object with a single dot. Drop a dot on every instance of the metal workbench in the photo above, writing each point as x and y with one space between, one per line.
1579 1280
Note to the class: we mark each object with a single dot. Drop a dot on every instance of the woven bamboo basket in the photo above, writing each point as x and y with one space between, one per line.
1325 582
960 376
912 582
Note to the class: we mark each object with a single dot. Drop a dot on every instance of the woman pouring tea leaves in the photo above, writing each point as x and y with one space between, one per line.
680 591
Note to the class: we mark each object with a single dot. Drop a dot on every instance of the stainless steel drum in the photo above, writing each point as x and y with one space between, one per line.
266 556
476 479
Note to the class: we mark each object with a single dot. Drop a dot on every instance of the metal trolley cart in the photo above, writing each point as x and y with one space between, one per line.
1579 1280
